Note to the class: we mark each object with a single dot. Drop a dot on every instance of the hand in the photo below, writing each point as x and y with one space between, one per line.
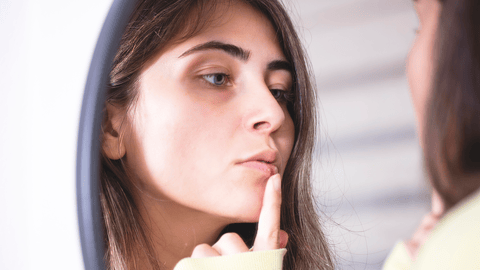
269 236
428 223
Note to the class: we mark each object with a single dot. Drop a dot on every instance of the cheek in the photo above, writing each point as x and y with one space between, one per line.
150 148
419 76
285 140
178 140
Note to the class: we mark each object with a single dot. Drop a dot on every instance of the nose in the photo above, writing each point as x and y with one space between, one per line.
264 114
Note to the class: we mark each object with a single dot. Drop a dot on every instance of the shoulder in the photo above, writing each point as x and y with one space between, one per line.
398 259
455 242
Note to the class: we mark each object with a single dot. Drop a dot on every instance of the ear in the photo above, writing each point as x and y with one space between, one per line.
112 144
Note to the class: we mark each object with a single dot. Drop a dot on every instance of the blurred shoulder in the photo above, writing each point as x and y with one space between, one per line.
455 242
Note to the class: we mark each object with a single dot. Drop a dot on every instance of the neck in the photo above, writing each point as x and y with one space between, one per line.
175 230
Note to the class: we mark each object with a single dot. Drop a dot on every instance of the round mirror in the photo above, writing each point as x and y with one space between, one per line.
88 146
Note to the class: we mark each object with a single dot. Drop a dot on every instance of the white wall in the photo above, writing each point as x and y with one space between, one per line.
45 52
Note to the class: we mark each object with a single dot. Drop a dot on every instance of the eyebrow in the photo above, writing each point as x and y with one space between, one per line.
237 52
279 65
231 49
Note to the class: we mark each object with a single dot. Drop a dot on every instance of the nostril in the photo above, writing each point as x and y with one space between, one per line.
261 125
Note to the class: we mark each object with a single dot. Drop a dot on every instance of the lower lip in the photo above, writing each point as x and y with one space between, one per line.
264 167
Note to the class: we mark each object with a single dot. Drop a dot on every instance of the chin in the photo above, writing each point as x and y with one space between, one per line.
244 203
250 210
253 218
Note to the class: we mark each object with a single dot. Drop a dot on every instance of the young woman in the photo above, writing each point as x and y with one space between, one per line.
444 75
209 127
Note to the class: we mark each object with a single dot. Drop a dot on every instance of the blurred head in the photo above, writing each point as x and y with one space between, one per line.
207 100
444 75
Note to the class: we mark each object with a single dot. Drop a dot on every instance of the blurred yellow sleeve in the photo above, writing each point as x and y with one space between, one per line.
255 260
398 259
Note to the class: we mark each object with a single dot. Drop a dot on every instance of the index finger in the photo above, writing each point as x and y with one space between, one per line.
268 232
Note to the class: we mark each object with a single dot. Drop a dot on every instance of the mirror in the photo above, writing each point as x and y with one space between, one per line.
88 146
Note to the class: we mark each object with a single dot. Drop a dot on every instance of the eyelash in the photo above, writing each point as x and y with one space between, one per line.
281 95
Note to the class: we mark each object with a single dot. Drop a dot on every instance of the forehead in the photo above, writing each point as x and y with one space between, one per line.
229 22
233 22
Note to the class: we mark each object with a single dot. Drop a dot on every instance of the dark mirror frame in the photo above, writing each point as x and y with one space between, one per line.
88 145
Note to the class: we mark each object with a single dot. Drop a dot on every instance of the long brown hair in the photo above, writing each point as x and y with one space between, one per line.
452 129
153 24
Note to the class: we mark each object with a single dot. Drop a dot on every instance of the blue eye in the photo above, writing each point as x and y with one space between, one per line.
216 78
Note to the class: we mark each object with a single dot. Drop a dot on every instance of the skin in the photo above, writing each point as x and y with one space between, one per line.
420 59
201 113
420 68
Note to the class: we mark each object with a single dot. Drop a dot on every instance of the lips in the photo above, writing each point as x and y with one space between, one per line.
263 161
268 168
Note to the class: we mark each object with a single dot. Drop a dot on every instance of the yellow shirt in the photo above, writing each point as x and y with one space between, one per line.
255 260
453 244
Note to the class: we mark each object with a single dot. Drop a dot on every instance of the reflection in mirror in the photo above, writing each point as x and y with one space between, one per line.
209 112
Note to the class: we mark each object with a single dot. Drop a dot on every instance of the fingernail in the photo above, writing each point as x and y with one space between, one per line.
277 183
275 170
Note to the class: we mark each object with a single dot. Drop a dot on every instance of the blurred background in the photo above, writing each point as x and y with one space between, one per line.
369 179
369 173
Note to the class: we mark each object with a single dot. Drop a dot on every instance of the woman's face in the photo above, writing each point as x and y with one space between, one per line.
211 123
420 60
